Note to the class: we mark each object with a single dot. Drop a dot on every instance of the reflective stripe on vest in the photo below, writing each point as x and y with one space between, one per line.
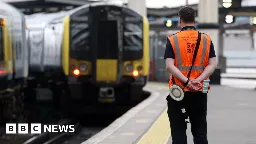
186 68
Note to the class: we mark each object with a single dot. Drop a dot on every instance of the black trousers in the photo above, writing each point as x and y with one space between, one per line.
195 104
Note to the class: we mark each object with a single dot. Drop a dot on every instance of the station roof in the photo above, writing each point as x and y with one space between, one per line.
149 3
159 8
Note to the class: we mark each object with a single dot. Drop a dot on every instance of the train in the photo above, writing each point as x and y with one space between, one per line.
94 54
88 56
13 63
105 53
44 36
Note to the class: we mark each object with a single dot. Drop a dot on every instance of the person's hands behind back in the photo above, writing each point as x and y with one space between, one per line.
194 85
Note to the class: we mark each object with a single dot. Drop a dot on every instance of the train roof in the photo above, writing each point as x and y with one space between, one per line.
9 10
42 19
95 4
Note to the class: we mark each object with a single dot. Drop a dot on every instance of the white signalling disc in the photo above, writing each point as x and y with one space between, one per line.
176 92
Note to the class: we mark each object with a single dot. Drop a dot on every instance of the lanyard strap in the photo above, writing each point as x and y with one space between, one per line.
194 56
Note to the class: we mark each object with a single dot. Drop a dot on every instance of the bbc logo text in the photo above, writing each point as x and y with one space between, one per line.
37 128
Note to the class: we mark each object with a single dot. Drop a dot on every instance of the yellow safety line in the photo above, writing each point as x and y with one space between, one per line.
159 132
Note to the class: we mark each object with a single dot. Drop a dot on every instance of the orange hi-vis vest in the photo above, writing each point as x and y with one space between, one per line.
183 44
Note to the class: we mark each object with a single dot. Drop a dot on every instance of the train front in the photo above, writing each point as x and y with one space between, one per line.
105 54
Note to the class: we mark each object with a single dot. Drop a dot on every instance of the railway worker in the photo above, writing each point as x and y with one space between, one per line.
188 83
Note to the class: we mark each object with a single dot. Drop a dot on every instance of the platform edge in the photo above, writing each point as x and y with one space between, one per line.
123 119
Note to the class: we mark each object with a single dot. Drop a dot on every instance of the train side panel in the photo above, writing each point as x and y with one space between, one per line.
17 38
19 44
58 34
35 38
7 51
45 42
14 63
50 56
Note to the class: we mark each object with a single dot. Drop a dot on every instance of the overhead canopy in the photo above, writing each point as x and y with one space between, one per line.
155 12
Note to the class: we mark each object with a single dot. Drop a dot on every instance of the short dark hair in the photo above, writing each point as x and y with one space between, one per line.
187 14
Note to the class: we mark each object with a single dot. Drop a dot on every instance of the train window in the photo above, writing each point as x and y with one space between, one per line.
79 35
1 44
133 41
107 40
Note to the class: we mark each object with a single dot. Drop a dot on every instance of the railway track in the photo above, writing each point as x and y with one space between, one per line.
55 138
85 127
82 133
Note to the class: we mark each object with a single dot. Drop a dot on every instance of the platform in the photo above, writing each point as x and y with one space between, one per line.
231 119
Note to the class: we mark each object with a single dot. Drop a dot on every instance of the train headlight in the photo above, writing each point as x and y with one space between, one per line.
139 68
76 72
135 73
128 68
83 67
2 22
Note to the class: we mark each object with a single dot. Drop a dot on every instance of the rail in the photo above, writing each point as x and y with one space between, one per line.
50 138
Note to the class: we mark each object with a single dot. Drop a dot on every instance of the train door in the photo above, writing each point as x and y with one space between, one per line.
106 45
107 50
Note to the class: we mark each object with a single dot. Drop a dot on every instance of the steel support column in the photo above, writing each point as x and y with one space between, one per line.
139 6
208 11
209 14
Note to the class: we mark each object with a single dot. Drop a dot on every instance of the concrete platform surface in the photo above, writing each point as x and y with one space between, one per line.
231 119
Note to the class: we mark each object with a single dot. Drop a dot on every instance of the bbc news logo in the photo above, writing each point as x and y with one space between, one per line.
37 128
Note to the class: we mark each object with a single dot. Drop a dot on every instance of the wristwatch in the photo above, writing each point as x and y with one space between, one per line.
186 83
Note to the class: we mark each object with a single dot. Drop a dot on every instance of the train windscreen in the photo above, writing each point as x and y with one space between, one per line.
103 30
107 40
133 41
133 35
79 36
